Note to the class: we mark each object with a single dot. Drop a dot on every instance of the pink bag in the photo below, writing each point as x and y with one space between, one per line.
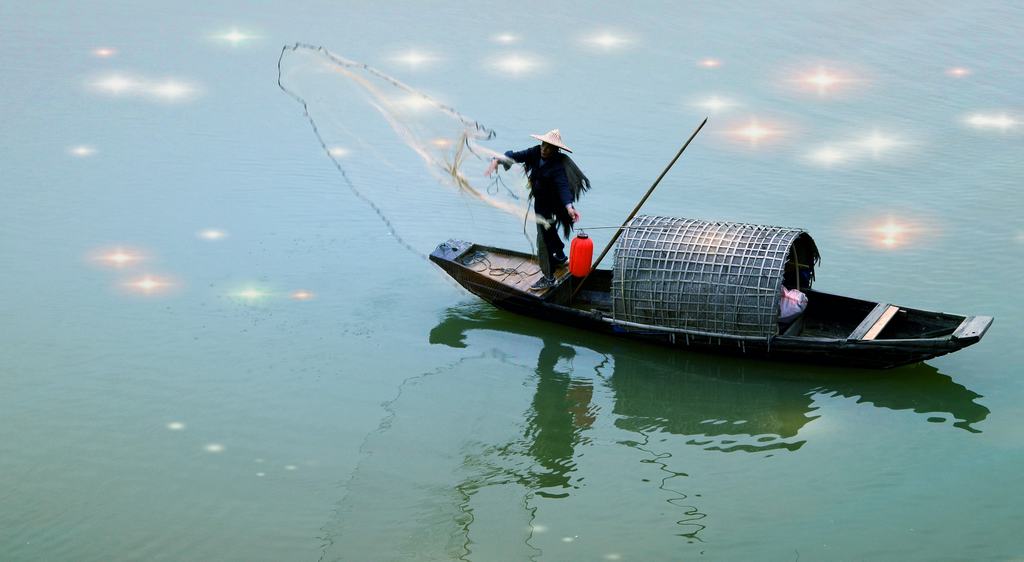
791 304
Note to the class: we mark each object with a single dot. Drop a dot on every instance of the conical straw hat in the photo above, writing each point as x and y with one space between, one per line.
554 136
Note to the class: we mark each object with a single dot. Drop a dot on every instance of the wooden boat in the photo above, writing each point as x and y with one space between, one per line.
713 286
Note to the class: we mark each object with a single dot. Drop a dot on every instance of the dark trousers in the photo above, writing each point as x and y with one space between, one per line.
548 244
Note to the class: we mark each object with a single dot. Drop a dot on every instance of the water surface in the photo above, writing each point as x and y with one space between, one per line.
215 416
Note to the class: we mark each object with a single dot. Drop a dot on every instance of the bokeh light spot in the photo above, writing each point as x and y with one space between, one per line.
892 233
505 38
958 72
120 258
212 234
878 143
82 151
606 41
104 52
116 257
754 132
165 89
825 81
828 156
175 426
172 90
716 104
149 285
214 448
116 84
515 64
235 37
709 63
302 295
1000 121
415 58
250 294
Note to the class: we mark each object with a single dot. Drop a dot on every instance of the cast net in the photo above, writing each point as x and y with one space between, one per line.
416 162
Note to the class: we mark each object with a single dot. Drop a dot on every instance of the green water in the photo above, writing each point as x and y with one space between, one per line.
393 416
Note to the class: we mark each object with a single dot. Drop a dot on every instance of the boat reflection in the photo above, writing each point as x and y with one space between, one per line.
722 404
596 421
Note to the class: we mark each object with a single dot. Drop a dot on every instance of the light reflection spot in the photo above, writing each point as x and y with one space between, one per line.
261 474
754 132
540 528
891 234
415 58
613 556
515 64
250 293
606 41
104 52
149 284
709 63
120 258
716 104
116 84
82 151
175 426
824 81
958 72
235 37
290 467
302 295
828 155
212 234
877 143
172 90
1001 121
214 448
505 38
166 89
337 151
568 539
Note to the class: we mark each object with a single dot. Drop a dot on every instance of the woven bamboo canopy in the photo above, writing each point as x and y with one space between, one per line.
708 277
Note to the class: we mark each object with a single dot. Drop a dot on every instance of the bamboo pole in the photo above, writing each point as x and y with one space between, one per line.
636 209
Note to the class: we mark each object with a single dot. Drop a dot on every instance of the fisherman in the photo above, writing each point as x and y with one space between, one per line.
555 184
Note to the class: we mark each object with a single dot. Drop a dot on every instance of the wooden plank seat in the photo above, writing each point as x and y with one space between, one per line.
874 322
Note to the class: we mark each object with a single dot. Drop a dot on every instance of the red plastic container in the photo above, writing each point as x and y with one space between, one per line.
581 254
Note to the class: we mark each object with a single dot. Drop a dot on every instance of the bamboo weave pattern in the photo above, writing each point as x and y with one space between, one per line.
716 277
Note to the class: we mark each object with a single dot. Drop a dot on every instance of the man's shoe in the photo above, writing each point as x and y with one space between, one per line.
543 283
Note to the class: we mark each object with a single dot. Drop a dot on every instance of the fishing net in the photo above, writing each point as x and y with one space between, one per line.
417 163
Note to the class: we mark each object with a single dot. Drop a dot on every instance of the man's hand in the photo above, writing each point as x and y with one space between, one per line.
493 167
576 216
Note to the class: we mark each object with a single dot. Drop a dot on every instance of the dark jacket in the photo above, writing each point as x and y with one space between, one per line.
549 185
